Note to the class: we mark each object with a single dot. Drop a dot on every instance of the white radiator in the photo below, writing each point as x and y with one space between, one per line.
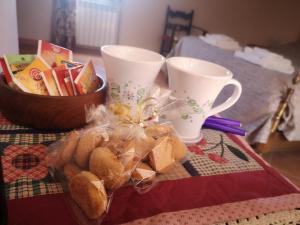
97 22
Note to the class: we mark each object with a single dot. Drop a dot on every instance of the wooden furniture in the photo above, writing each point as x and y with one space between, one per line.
276 140
47 112
177 23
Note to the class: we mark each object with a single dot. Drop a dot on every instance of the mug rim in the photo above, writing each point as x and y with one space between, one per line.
226 75
161 59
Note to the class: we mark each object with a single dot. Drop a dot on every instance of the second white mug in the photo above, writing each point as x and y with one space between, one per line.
199 83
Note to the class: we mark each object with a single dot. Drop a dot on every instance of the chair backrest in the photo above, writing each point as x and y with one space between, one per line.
177 22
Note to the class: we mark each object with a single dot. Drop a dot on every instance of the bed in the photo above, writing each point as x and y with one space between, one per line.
269 99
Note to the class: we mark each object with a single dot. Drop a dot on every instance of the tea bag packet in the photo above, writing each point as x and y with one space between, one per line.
61 75
17 63
53 54
74 72
7 75
69 86
70 64
12 64
50 83
87 80
30 80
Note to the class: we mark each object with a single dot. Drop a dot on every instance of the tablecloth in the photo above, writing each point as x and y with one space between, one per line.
221 181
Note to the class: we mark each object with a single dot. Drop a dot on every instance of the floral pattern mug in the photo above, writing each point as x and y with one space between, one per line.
130 72
199 83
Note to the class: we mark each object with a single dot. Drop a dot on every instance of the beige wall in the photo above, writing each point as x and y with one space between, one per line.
9 34
142 21
263 22
34 19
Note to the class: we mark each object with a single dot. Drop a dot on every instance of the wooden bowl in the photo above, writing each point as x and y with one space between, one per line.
47 112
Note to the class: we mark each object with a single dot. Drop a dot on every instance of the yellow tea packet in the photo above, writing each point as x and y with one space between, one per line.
30 80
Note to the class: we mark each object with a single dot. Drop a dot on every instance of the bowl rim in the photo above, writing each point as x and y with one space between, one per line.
5 85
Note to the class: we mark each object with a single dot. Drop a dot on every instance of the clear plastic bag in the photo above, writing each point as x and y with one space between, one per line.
120 146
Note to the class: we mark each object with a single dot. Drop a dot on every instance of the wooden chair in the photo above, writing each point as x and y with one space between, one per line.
177 23
276 139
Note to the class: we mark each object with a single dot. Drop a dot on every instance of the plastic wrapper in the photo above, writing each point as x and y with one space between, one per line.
120 146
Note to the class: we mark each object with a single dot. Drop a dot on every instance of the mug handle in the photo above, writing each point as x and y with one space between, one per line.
231 100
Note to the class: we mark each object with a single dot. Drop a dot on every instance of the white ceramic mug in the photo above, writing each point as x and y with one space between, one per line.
130 72
199 83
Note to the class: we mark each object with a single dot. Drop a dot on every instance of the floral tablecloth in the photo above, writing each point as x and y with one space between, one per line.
221 181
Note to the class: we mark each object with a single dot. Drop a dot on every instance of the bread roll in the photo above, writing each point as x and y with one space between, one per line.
89 193
143 172
162 156
178 147
105 165
87 143
71 169
67 149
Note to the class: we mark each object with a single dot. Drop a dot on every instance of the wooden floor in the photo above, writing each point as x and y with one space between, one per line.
286 162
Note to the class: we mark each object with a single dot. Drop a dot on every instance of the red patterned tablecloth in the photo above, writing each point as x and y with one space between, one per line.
221 181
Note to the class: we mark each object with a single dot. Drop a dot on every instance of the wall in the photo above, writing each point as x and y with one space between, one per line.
142 21
262 22
9 33
34 19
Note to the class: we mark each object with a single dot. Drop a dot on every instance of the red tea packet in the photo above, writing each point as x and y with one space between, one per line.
87 80
74 72
50 83
6 73
54 54
69 86
63 85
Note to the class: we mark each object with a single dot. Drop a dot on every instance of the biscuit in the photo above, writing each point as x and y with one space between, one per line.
89 193
178 147
105 165
71 169
86 144
143 172
67 149
162 156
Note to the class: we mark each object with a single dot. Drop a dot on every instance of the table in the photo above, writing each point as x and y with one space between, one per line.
221 180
